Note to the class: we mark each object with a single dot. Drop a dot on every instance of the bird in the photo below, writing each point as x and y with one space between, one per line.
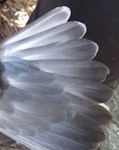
51 89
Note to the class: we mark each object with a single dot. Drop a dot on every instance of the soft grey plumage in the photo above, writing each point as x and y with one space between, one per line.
51 87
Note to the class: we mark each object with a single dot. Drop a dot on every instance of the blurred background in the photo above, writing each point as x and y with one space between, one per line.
14 15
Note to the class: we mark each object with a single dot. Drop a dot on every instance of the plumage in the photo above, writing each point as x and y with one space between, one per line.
55 17
53 87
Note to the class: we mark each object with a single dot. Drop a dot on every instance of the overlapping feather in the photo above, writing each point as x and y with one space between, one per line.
54 87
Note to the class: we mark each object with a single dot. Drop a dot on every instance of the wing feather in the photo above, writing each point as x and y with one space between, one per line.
54 18
54 86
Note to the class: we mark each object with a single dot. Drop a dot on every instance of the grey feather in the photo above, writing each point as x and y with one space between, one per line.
54 87
54 18
68 50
